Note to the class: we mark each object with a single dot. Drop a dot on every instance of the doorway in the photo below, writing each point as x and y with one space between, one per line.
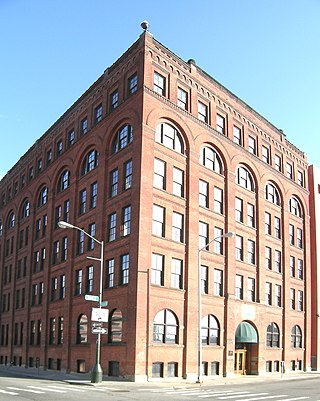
246 350
240 362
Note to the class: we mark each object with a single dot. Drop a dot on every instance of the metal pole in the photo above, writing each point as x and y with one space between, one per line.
96 373
199 319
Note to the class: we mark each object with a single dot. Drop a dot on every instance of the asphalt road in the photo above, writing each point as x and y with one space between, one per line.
37 389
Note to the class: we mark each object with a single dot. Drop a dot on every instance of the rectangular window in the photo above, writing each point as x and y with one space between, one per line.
159 84
114 176
176 273
182 100
202 112
60 330
251 289
112 223
239 247
278 300
89 282
54 288
71 138
268 258
204 279
64 250
299 238
93 195
114 100
203 194
203 235
133 84
278 163
177 227
218 242
159 175
301 178
239 287
178 182
62 293
300 300
92 232
59 148
277 261
66 210
83 201
268 294
127 176
158 227
98 114
124 261
291 234
126 221
252 145
218 200
157 271
289 171
277 229
292 298
250 215
52 328
78 284
218 283
292 266
110 274
221 124
266 154
80 244
267 223
300 269
237 135
251 252
84 126
58 215
239 210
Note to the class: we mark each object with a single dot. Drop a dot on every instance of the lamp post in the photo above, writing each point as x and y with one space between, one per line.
226 235
96 372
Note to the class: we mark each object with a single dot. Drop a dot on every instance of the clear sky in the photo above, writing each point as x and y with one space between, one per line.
267 52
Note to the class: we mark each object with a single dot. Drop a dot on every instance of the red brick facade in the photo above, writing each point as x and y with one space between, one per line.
174 156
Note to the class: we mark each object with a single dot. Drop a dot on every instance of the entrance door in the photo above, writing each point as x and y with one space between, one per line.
240 362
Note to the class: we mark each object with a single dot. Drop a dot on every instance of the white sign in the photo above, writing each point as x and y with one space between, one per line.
100 315
91 298
100 330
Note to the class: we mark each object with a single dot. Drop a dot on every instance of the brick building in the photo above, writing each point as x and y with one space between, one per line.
158 159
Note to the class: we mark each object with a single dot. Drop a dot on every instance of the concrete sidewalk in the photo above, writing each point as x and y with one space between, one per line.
85 378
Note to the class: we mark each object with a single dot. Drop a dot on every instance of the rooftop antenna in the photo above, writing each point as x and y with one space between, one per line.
145 25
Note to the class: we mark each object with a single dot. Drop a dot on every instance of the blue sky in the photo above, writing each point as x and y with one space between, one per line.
267 52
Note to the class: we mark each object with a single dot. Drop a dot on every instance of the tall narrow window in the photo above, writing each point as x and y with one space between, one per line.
268 293
250 215
239 210
177 227
218 283
159 84
268 258
159 176
98 114
267 222
124 264
89 282
112 222
239 287
133 84
221 124
218 200
203 194
203 235
110 274
114 175
157 270
251 289
252 145
204 279
237 135
278 298
176 273
202 112
239 248
83 201
114 100
126 221
158 220
127 180
177 182
266 154
251 252
182 99
93 195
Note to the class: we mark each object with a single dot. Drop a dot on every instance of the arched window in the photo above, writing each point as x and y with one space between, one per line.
64 181
165 327
90 162
11 220
296 337
210 331
244 179
272 194
26 209
273 335
82 330
295 207
210 159
43 197
169 137
115 326
123 138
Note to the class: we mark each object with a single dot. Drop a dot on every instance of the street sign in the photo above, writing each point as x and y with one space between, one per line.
91 298
99 315
104 303
96 325
99 330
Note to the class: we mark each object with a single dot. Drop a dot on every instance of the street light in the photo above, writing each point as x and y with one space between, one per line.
226 235
96 372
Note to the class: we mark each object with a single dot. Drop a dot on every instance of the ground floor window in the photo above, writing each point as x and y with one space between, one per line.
81 366
172 369
214 368
276 366
269 366
205 368
157 369
114 368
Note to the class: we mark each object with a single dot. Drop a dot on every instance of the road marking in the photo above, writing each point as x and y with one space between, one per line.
8 392
264 398
295 399
24 389
67 388
222 393
47 389
245 394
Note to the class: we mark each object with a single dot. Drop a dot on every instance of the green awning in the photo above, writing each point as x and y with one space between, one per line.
245 333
